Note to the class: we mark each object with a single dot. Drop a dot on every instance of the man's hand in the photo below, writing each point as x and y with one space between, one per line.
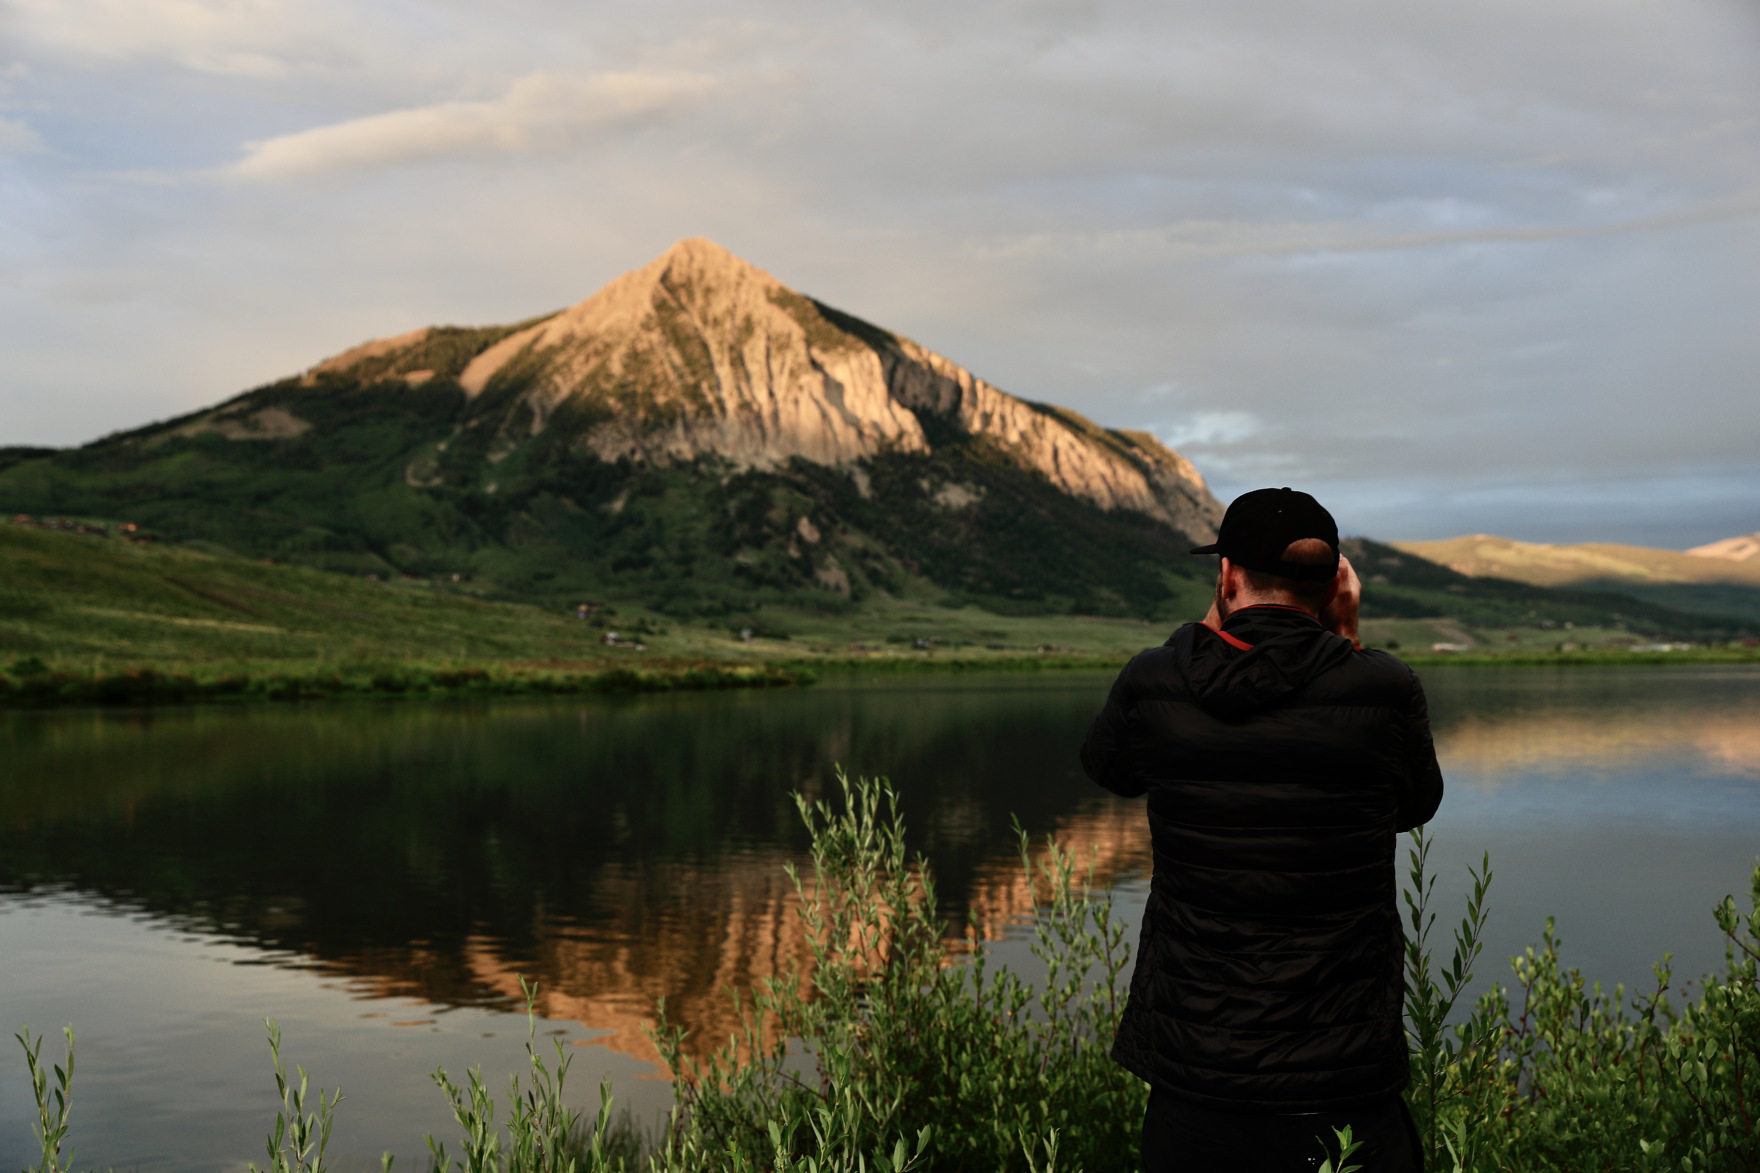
1340 613
1213 618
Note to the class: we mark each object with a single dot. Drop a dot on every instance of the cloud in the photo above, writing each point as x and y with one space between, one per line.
1212 428
541 112
1375 244
238 38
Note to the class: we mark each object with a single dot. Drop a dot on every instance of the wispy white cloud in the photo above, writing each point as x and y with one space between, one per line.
1206 429
241 38
540 112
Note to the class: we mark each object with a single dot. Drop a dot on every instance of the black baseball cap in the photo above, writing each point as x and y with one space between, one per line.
1260 525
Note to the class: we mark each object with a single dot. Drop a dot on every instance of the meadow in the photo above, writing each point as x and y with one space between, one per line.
90 618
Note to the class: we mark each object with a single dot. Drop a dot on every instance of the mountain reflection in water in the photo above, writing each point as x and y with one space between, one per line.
1512 723
618 852
621 851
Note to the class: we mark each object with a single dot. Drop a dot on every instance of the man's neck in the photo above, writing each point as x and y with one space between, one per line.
1261 601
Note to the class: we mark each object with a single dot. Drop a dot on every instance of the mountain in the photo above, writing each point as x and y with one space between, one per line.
695 434
1702 581
1745 548
702 355
699 439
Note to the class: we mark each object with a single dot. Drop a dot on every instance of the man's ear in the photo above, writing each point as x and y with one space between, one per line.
1228 580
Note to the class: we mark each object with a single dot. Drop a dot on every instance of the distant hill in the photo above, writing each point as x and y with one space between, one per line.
696 434
1745 548
1400 584
1712 580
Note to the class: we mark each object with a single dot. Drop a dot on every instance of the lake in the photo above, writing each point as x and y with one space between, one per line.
378 876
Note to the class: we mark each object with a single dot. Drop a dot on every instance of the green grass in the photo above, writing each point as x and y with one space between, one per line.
80 601
1415 640
1590 658
87 619
77 600
90 619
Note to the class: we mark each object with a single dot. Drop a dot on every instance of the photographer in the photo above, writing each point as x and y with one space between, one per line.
1280 760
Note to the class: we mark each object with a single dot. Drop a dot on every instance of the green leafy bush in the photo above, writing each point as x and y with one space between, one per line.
892 1038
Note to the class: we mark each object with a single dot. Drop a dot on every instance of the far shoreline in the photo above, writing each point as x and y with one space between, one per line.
160 685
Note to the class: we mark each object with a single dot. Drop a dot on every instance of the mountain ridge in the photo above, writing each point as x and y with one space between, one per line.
700 353
695 434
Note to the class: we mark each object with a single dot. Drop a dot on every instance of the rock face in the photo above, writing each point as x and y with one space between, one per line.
701 354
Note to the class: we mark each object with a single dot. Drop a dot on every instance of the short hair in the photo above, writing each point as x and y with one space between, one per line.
1310 594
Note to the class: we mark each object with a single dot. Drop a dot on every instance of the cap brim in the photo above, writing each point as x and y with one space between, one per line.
1212 548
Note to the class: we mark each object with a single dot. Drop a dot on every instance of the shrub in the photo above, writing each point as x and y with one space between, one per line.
888 1037
1579 1079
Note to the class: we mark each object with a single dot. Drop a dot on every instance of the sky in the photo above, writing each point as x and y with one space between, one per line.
1454 268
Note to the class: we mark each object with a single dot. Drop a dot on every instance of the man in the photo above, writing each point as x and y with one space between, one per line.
1281 759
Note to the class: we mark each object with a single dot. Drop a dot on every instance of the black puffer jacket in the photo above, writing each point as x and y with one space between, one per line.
1268 977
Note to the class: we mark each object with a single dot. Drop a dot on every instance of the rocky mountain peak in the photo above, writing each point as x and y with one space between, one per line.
702 354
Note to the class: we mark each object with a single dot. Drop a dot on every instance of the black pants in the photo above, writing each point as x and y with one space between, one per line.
1179 1135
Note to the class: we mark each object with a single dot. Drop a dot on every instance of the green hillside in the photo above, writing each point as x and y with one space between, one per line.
693 542
85 603
1717 599
79 599
389 480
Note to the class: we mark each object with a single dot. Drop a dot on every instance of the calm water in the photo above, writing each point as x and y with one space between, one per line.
375 877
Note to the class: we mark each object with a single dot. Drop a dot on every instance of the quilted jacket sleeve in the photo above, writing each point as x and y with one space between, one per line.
1422 791
1103 750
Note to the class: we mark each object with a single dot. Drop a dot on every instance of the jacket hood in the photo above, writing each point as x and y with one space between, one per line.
1288 649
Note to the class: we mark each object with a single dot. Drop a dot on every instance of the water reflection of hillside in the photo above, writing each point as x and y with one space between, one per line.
617 852
622 852
692 952
1502 724
1553 743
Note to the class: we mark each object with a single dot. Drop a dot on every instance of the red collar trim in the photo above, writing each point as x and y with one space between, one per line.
1233 642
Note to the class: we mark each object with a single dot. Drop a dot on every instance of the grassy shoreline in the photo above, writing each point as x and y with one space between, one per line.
1584 658
903 664
31 683
91 621
50 688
